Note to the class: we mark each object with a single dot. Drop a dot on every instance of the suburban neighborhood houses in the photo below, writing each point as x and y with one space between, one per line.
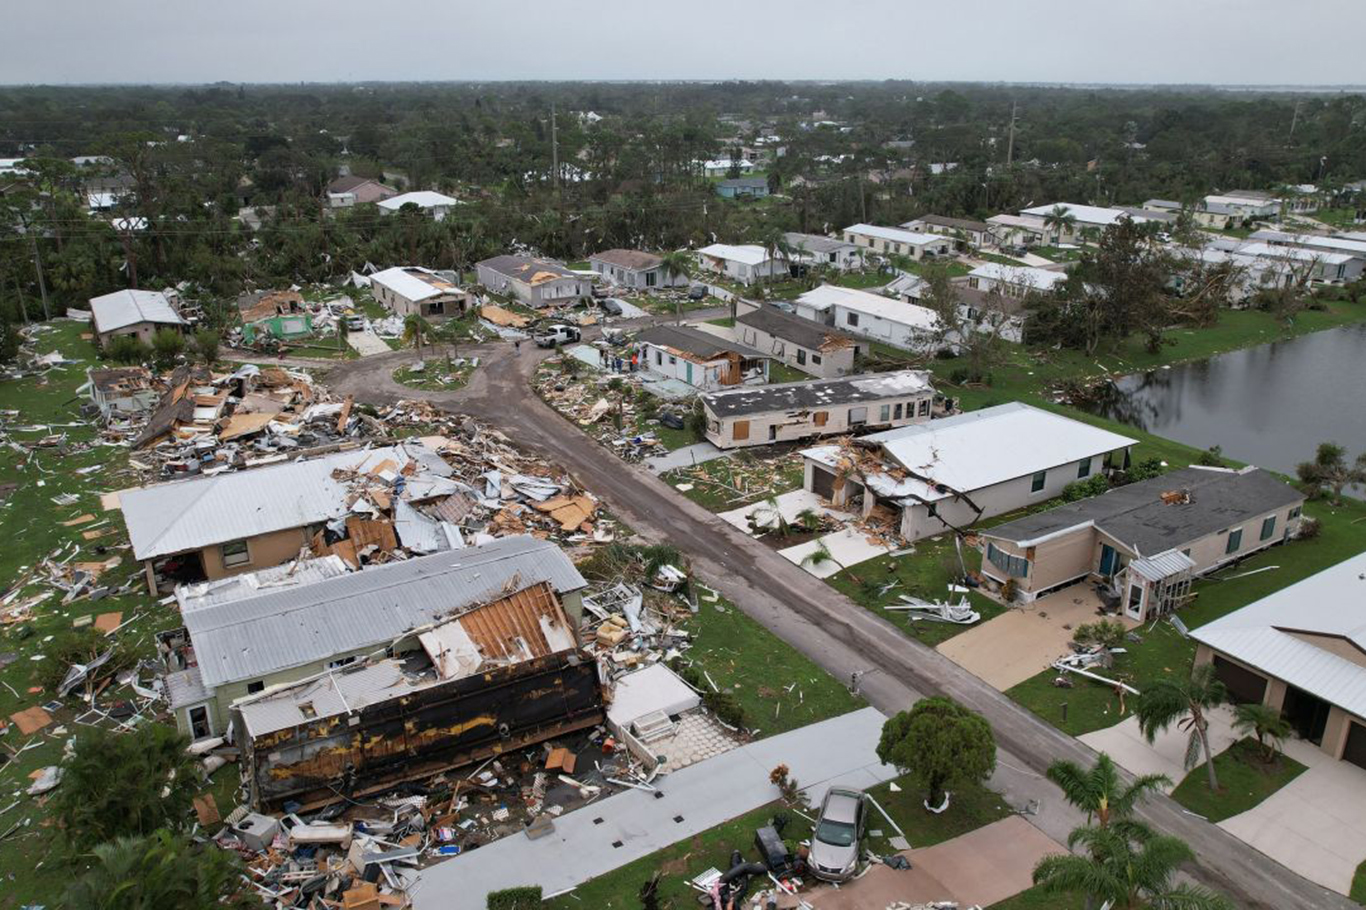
740 493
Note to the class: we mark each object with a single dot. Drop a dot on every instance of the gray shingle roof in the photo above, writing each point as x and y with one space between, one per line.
697 342
525 268
792 328
790 396
1136 516
290 627
815 243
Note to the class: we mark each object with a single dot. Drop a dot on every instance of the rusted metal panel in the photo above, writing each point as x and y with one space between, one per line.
421 733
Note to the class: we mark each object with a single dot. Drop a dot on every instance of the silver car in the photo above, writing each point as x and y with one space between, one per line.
838 838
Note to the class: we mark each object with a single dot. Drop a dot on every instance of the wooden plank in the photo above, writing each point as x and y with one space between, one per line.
31 720
108 622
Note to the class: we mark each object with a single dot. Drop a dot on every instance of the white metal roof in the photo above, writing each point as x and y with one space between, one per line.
1312 241
426 199
1331 604
978 449
293 627
896 235
1026 275
190 514
1163 565
129 307
1297 253
748 253
717 164
1084 214
867 303
407 281
249 584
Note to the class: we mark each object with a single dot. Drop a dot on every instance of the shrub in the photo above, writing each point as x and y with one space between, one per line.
1213 457
206 345
1146 469
127 349
167 345
1084 489
725 706
1309 529
1108 633
527 897
1010 590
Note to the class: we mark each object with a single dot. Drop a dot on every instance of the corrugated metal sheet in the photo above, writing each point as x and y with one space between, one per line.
129 307
1163 565
253 637
190 514
1328 604
290 575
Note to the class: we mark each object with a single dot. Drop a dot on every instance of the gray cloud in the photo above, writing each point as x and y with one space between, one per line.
1092 41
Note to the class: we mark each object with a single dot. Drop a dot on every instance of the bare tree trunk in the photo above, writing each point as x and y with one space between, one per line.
1202 729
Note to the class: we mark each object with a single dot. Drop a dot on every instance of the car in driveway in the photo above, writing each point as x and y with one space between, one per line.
837 839
611 306
556 335
355 322
697 292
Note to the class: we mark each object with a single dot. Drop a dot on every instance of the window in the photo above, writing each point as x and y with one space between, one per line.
772 432
650 279
1083 468
885 413
801 357
256 685
851 318
897 414
673 361
1268 527
1235 540
1294 513
341 662
858 416
816 359
199 723
235 553
659 359
1036 483
924 407
1016 566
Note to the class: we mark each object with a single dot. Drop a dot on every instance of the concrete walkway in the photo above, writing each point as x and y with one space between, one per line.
367 342
841 750
976 869
685 457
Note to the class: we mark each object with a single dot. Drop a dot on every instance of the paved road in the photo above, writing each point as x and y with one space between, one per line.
835 632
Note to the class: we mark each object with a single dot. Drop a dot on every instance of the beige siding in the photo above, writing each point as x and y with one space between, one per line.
265 550
793 425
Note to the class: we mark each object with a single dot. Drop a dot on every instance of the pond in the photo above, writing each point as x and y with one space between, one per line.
1270 405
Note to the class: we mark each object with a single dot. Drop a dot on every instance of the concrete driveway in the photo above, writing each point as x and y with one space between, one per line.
1167 754
367 343
979 868
1022 642
1315 825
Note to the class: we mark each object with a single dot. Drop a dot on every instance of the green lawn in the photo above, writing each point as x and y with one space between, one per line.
1036 899
1057 254
1164 653
953 267
1358 892
861 280
970 809
1344 218
33 869
725 322
739 480
997 257
435 377
322 349
1244 778
778 687
778 371
924 573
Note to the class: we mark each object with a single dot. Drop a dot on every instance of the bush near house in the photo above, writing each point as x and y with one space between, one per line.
524 898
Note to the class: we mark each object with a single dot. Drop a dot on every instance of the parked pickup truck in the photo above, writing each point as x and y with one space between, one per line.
556 335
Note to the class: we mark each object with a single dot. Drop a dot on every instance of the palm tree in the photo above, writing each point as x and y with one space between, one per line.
159 870
415 330
676 263
1100 791
342 331
775 244
1061 220
1265 723
1187 702
1126 867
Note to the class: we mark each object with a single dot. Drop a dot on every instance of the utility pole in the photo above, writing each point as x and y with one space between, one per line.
38 265
554 149
1296 118
1010 143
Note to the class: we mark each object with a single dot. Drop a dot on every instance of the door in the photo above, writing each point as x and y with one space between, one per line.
1244 686
1107 560
1308 714
822 483
199 723
739 430
1137 596
1355 750
689 366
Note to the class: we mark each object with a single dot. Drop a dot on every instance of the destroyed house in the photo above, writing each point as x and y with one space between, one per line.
225 524
699 359
279 314
240 641
122 391
761 415
809 346
535 282
948 474
1145 539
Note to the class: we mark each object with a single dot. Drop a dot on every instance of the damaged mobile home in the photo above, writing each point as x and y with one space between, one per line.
338 678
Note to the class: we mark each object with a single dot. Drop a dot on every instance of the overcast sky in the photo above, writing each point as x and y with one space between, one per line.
1119 41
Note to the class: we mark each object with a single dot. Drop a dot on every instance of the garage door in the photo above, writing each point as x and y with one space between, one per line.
1355 752
823 483
1244 686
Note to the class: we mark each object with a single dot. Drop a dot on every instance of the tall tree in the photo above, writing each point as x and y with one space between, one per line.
1331 471
1263 722
1186 702
1060 220
160 869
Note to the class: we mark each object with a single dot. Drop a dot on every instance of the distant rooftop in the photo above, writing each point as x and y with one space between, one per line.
818 393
